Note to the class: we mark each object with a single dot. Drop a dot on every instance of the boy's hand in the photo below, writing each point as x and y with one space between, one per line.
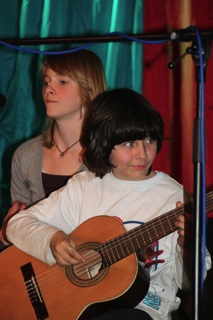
64 250
184 223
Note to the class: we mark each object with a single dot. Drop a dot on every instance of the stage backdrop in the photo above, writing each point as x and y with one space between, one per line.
173 92
23 115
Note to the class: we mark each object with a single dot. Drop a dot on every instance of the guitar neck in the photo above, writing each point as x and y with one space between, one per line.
142 236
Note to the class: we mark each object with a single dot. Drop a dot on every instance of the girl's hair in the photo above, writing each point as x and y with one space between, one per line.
117 116
85 68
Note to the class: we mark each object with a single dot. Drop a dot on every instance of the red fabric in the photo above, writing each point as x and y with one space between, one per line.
173 92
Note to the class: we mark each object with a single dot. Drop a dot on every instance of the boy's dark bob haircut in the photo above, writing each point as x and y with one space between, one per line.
114 117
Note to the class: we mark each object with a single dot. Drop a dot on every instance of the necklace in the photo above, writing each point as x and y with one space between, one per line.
63 152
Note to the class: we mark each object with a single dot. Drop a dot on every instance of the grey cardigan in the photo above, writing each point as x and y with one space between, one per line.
26 180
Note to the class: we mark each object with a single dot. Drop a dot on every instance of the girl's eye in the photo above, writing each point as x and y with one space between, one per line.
45 84
63 82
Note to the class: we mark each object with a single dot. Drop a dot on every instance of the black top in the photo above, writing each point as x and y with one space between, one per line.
52 182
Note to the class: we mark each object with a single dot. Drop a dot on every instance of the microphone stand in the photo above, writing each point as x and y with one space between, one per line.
199 180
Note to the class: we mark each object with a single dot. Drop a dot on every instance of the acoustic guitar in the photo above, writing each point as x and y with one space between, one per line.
111 276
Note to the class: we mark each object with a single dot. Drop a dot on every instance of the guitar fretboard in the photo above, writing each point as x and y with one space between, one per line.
142 236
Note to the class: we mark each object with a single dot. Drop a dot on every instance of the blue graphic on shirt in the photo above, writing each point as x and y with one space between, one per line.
152 300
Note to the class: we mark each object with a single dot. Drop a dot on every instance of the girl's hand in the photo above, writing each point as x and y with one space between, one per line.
64 250
15 208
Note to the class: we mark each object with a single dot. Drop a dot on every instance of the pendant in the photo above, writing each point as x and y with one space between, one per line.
61 154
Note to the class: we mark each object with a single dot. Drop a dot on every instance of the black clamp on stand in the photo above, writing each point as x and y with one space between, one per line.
198 158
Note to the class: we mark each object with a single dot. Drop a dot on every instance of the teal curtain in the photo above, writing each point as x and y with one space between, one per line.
23 115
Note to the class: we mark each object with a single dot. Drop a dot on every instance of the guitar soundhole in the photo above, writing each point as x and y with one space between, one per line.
91 272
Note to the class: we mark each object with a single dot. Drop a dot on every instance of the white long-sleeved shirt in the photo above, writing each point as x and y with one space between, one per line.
134 202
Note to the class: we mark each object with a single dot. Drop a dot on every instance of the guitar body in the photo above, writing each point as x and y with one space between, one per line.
67 296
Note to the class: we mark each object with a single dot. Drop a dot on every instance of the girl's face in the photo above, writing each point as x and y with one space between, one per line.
61 96
133 159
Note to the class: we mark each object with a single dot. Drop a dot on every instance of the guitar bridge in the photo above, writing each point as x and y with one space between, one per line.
34 292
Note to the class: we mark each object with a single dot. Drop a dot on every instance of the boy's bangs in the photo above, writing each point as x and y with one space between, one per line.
131 130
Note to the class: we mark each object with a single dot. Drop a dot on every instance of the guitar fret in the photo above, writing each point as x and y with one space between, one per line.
113 249
122 251
156 235
142 238
167 226
119 250
162 227
117 253
111 254
136 239
147 230
130 244
169 222
138 244
126 248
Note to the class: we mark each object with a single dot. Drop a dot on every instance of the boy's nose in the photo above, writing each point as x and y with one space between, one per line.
141 151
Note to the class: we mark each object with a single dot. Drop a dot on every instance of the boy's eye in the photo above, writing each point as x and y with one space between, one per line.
148 140
128 143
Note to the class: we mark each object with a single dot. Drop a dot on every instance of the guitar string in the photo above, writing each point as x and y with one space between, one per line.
90 254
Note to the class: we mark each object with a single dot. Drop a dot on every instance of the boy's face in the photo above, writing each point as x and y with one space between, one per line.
133 159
